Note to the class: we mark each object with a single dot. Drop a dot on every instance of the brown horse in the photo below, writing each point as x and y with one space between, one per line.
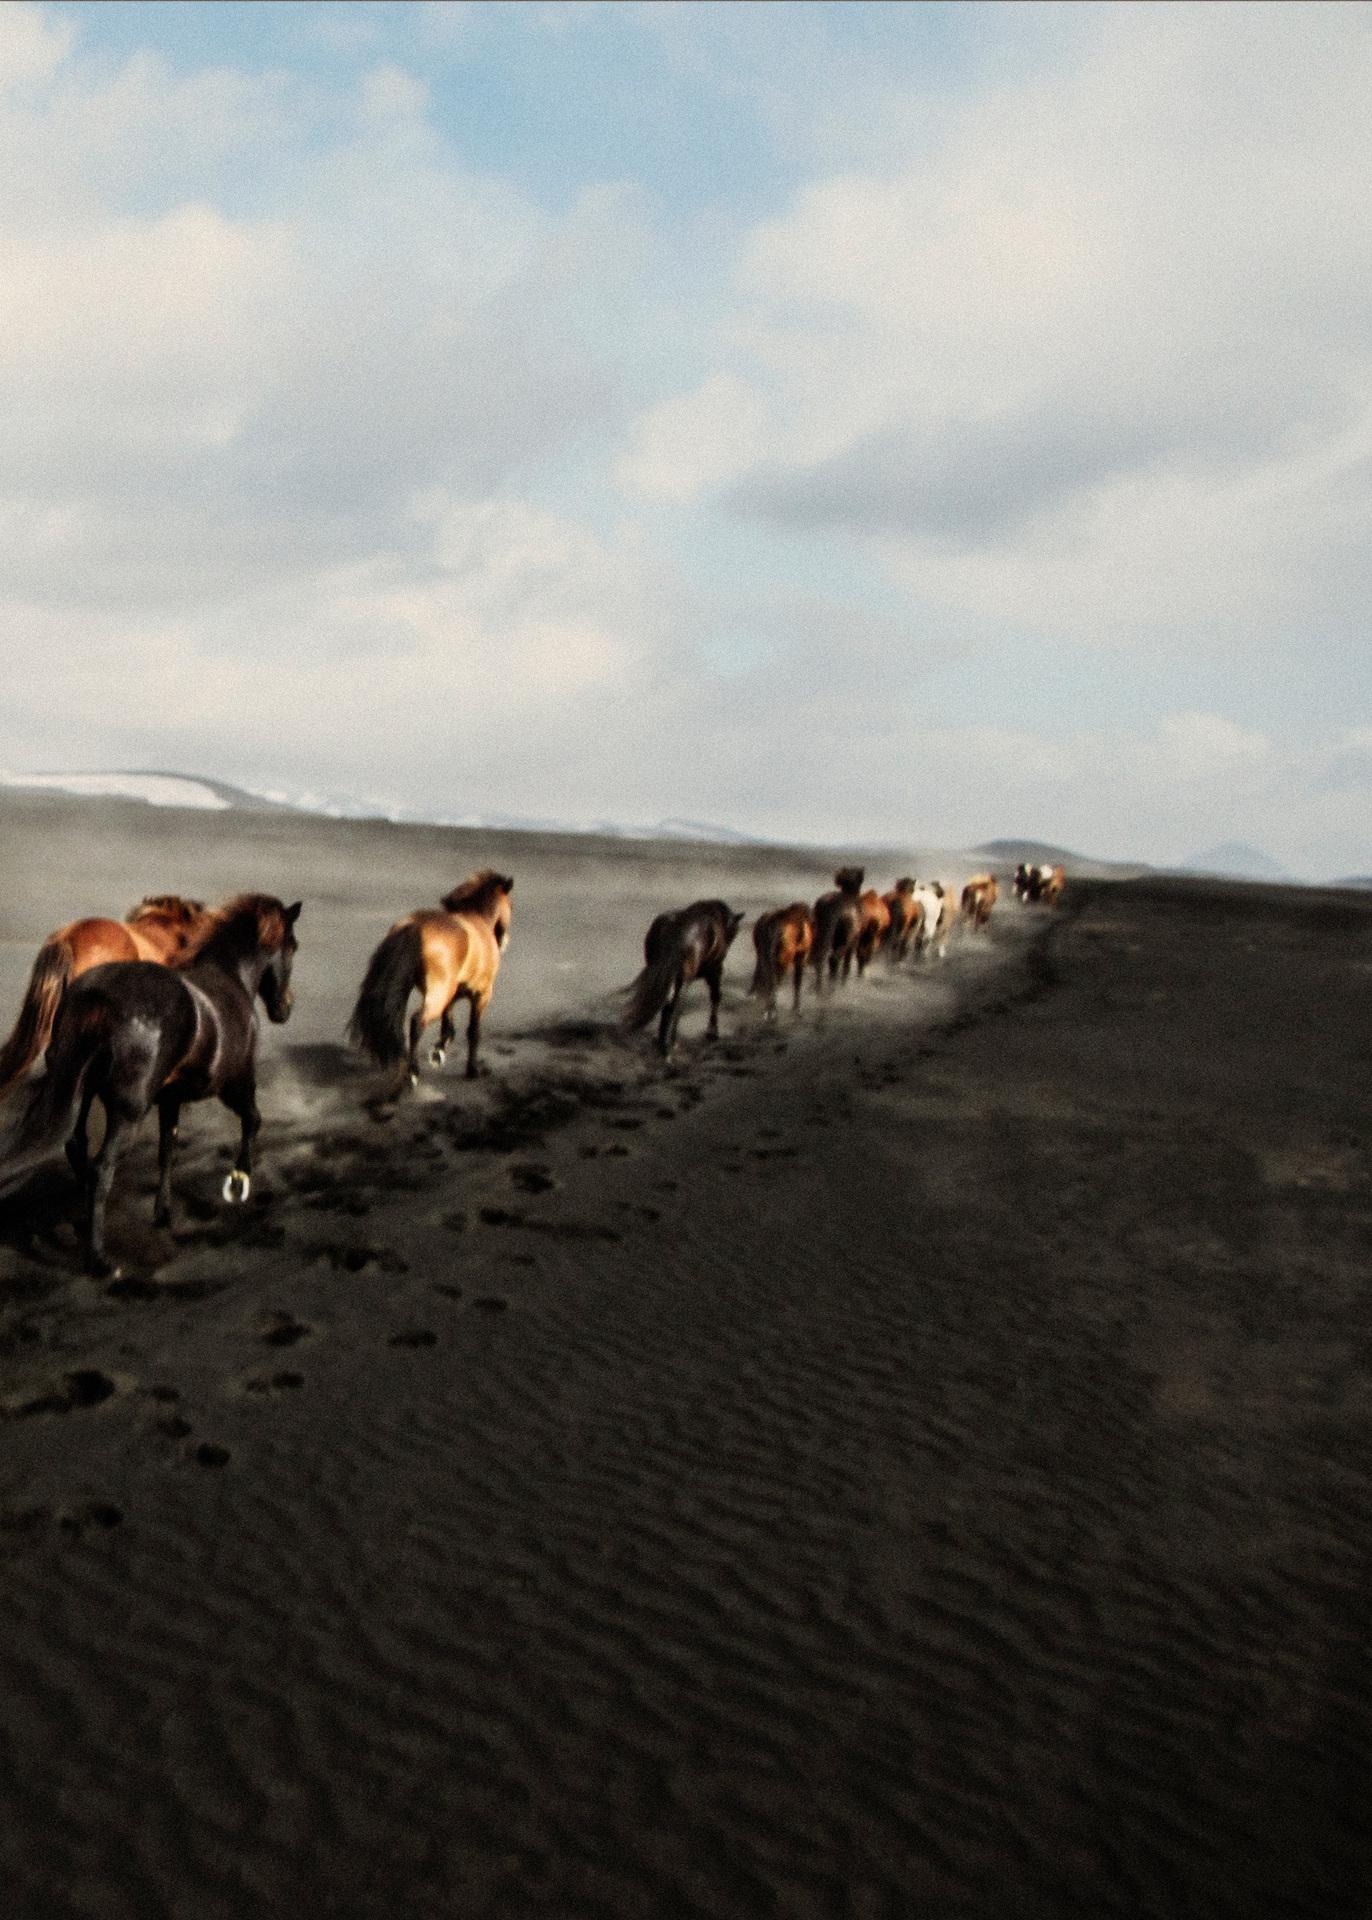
907 917
443 957
873 930
160 928
783 939
691 944
838 920
978 898
135 1035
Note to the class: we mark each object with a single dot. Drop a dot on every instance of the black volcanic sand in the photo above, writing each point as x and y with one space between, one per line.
912 1460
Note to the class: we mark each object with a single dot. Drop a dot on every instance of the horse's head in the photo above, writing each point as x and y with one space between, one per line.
849 879
503 910
274 986
487 895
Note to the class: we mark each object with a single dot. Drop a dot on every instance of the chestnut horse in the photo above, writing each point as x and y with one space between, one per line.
907 917
443 957
783 939
978 898
134 1035
159 928
873 930
838 921
691 944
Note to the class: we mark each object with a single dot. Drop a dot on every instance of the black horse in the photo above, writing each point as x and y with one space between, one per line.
838 922
690 944
134 1035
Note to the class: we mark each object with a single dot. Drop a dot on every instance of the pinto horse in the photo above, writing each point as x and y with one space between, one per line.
1041 883
690 944
938 911
134 1035
783 939
159 928
838 921
443 957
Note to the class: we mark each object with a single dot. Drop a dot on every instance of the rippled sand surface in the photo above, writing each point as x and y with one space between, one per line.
910 1460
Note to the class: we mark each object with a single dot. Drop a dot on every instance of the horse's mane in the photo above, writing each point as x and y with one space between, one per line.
165 906
478 891
248 922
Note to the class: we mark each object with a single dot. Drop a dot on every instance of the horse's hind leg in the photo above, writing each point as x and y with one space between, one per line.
416 1029
798 977
474 1032
78 1147
667 1025
168 1114
242 1100
446 1033
119 1122
714 980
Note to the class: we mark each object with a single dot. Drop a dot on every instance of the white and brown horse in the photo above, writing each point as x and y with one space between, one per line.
939 908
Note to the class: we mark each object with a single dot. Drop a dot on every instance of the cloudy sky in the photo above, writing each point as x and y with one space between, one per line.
908 424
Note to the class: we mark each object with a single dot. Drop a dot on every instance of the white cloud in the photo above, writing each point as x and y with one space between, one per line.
694 441
33 44
1097 359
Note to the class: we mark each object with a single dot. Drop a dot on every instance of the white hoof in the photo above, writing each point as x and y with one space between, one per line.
413 1078
439 1055
237 1187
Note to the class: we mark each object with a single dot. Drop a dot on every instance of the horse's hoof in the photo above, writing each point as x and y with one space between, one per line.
413 1077
439 1055
103 1269
237 1187
162 1217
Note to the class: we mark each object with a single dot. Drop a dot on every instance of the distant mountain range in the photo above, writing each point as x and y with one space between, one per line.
1236 860
1030 853
158 788
154 788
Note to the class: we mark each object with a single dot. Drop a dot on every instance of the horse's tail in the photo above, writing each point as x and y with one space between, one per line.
48 1112
52 971
649 993
766 939
826 936
396 968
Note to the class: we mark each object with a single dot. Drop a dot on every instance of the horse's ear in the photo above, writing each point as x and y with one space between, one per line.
507 884
293 913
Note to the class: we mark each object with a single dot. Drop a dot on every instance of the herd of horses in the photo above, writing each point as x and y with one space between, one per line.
159 1009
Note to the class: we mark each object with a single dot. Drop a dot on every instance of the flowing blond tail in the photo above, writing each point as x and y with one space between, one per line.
52 971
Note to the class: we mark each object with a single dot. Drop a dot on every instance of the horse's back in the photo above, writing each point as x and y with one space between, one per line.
460 947
145 1016
96 943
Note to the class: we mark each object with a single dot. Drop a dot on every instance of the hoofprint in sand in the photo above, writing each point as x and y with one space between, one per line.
885 1459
